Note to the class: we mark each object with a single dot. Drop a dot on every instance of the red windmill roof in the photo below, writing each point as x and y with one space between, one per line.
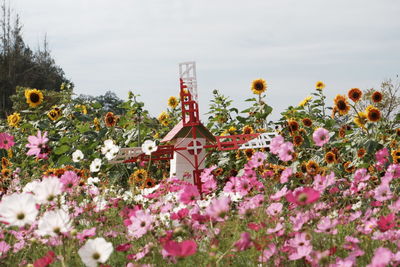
181 131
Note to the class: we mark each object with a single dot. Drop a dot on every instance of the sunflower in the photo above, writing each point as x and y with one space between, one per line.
307 122
396 155
376 97
163 118
110 119
319 85
249 153
14 119
96 123
138 176
173 102
5 163
360 119
373 114
149 183
361 153
341 104
355 94
82 108
33 97
293 126
305 101
398 131
312 167
54 114
348 167
218 171
248 129
5 173
330 157
258 86
298 140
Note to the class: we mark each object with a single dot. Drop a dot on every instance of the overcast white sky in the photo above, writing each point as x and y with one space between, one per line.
124 45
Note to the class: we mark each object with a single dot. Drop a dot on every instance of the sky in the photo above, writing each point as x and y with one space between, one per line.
136 45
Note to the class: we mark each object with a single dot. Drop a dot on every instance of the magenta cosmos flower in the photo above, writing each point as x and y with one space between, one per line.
321 136
6 140
37 145
303 196
180 249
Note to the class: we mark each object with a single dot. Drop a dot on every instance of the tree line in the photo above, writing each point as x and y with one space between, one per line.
20 65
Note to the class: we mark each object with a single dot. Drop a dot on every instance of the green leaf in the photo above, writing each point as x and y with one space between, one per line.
61 149
63 160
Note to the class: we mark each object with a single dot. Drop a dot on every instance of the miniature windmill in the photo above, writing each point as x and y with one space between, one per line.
185 145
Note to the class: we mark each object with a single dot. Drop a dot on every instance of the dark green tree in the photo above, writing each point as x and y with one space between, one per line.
19 65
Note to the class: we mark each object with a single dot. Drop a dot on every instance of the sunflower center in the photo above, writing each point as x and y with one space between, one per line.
34 98
341 105
259 86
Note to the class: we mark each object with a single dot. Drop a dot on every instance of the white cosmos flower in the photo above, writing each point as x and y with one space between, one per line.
47 190
77 156
53 223
95 251
29 187
109 149
148 147
95 165
18 209
93 180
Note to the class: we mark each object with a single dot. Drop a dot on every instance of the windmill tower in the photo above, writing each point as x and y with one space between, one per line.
187 143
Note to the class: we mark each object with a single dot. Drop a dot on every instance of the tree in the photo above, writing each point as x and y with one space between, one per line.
19 65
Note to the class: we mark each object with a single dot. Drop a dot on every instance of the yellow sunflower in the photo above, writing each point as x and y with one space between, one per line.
33 97
305 101
5 163
258 86
54 114
138 176
13 119
173 102
248 129
360 119
373 114
341 104
163 118
96 123
319 85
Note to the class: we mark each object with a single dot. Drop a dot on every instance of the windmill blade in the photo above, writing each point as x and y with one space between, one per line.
232 142
125 154
260 141
187 73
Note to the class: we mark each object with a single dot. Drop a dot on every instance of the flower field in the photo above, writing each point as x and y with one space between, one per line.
325 192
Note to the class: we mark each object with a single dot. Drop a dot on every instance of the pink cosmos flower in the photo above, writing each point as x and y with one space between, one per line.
300 252
267 253
257 159
218 208
189 194
275 144
303 196
86 233
285 151
327 226
382 192
141 223
244 242
37 145
180 249
208 186
123 247
274 209
321 136
4 248
45 260
6 141
382 155
285 175
232 185
279 194
387 222
382 257
69 181
322 182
